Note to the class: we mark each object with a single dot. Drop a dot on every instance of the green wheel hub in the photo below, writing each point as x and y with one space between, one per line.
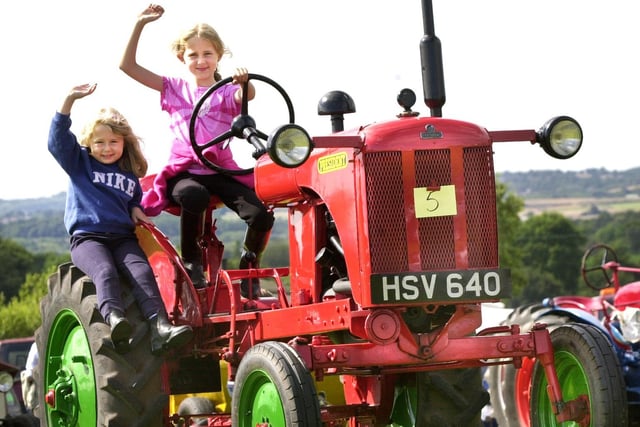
260 403
573 381
69 381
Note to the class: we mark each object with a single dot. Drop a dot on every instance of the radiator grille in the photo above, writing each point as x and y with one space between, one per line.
387 229
480 195
437 235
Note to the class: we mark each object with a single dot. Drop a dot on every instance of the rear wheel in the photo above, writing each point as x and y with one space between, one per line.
450 398
586 366
83 380
273 387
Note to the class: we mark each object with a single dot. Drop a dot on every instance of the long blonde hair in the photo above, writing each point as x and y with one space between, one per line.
206 32
132 159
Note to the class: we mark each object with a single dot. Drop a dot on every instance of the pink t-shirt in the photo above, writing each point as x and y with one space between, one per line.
178 98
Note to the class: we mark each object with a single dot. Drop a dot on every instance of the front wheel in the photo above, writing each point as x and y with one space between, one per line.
587 366
273 387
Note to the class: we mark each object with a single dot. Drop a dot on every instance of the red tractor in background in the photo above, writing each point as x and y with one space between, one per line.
614 313
393 247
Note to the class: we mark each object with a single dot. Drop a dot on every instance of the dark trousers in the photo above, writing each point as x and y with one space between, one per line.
104 258
193 192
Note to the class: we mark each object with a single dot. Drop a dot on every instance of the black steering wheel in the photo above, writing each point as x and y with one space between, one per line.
243 126
593 266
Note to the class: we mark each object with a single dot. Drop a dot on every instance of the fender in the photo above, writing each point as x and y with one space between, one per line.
577 315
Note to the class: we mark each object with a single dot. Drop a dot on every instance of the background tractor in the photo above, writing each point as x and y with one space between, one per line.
613 313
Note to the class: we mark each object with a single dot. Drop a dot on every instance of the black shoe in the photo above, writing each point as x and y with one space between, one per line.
250 288
120 330
165 336
196 274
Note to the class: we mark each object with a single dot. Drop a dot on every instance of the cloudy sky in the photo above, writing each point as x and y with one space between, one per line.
509 64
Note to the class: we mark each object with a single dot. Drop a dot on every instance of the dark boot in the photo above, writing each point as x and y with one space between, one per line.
191 226
255 242
120 331
165 336
196 274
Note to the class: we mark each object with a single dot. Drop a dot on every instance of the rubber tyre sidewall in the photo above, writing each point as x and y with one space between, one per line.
450 398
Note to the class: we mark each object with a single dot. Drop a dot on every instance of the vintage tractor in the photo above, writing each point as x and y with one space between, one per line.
393 247
613 313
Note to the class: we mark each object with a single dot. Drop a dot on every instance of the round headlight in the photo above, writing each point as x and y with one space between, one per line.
560 137
289 146
6 382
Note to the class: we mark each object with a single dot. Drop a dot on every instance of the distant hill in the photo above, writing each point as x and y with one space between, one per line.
599 183
37 223
577 195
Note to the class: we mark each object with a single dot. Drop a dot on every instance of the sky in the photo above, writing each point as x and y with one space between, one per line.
508 64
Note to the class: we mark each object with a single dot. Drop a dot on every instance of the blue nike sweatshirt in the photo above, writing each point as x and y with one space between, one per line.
100 197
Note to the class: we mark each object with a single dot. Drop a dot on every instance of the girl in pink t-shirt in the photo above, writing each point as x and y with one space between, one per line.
185 181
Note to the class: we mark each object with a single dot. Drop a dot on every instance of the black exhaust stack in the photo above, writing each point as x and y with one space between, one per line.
431 60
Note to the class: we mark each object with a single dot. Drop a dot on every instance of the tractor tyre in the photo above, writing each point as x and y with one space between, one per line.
586 365
196 405
508 386
82 380
450 398
273 387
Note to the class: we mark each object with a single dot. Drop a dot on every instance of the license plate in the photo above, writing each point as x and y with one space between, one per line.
444 286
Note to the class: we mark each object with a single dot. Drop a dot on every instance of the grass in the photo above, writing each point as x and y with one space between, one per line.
579 208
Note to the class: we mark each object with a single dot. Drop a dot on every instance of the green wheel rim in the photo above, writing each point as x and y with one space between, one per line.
260 402
573 382
70 387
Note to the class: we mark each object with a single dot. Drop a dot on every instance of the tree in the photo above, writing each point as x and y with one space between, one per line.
552 248
15 263
21 316
509 206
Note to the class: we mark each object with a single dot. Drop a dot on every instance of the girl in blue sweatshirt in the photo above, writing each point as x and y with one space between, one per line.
102 209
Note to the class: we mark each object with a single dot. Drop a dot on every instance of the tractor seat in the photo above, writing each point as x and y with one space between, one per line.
147 182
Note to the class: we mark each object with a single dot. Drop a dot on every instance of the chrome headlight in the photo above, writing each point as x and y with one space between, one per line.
289 146
560 137
6 382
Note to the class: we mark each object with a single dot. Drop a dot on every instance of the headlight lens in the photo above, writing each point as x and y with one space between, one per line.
6 382
560 137
289 146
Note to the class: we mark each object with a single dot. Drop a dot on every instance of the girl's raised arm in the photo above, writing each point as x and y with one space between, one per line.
128 63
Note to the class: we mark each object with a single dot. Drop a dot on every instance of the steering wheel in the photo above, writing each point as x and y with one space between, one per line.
243 126
594 263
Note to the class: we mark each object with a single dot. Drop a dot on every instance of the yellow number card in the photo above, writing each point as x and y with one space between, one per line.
430 202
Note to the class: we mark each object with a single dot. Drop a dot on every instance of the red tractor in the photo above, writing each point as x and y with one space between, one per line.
573 322
393 247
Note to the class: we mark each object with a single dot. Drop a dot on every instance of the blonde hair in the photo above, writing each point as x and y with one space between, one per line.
206 32
132 159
